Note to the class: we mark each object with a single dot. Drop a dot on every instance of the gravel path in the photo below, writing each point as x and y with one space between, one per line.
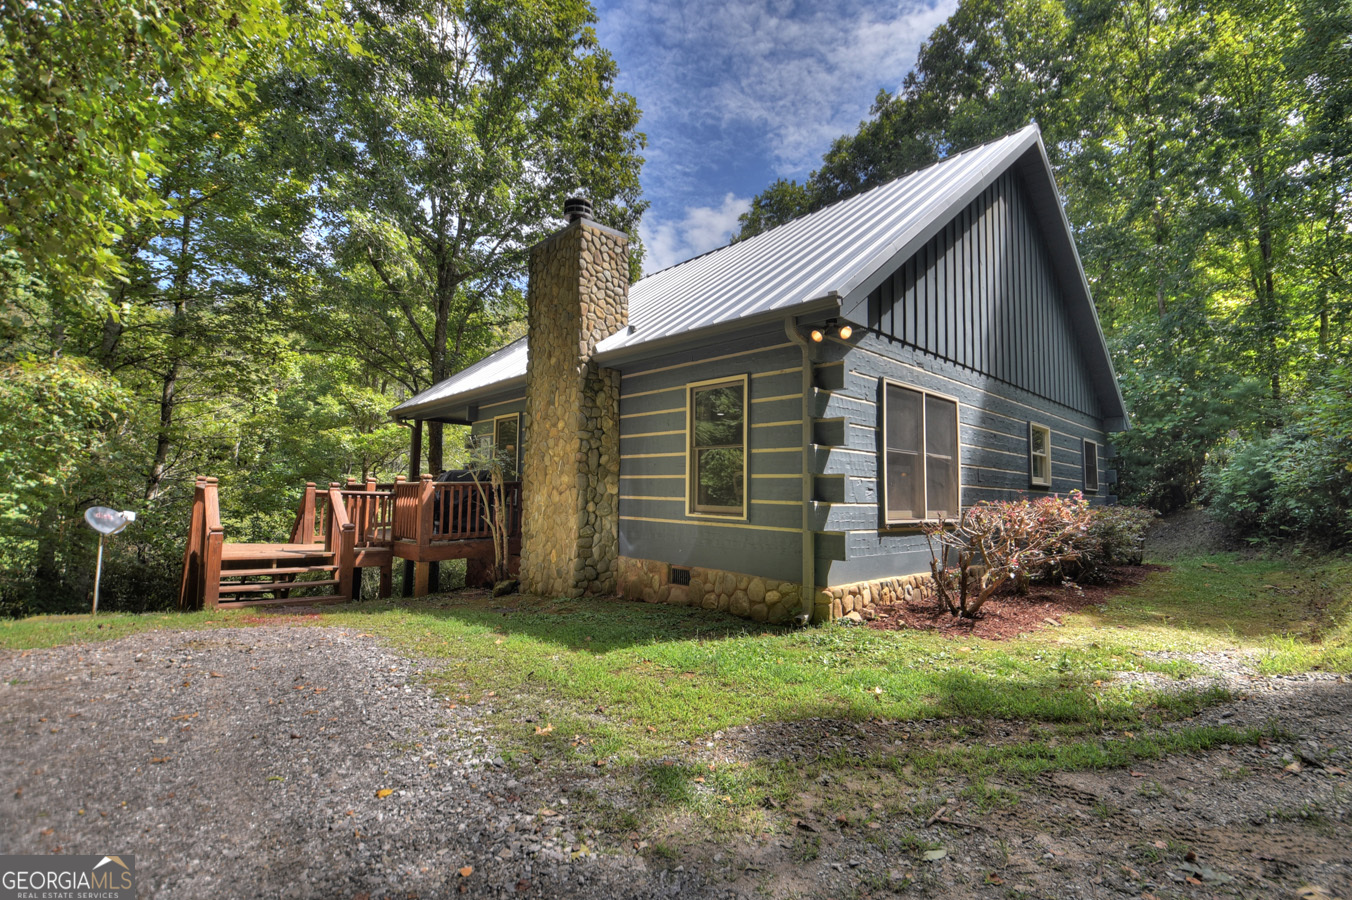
246 763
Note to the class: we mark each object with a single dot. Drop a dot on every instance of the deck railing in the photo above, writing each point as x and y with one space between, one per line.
429 511
200 582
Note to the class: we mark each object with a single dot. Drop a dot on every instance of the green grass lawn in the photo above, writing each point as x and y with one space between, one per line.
638 685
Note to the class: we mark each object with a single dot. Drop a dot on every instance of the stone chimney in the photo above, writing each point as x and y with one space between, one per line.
578 296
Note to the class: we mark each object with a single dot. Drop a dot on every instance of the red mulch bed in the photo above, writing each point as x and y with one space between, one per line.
1006 616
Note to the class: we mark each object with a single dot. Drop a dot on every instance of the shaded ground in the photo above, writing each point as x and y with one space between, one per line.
247 763
1006 615
1266 819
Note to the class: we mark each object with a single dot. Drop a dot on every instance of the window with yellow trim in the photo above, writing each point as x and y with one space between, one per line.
718 447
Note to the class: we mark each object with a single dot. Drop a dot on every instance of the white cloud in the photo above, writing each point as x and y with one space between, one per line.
798 77
701 229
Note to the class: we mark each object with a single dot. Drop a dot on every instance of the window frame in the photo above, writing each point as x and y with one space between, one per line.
885 506
692 508
516 416
1085 456
1032 472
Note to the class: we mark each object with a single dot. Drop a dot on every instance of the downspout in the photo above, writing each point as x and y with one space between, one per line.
809 550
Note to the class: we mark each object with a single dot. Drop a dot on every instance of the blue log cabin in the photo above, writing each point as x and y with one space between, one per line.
763 429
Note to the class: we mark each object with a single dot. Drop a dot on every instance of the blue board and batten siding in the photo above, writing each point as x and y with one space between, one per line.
976 315
654 520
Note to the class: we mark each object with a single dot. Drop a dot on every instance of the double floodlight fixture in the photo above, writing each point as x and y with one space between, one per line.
843 331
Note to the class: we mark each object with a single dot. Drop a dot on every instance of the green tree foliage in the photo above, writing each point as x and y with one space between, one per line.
88 93
264 220
451 138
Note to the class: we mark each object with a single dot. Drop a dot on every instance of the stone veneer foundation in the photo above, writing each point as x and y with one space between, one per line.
748 596
578 295
761 599
832 603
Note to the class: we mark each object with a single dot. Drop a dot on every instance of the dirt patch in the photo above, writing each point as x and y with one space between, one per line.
1188 532
1008 615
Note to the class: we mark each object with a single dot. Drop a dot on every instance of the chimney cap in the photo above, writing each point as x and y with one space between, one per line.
575 208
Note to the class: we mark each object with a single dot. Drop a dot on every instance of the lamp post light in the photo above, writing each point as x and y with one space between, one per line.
105 521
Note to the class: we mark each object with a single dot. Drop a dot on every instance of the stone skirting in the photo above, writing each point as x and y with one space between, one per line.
748 596
834 602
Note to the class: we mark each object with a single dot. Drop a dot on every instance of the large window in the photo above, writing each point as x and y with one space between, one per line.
920 455
507 443
717 448
1039 455
1091 481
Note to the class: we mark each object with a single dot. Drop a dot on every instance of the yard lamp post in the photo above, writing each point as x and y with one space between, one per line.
105 521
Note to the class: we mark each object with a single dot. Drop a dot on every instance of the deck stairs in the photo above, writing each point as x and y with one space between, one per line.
338 532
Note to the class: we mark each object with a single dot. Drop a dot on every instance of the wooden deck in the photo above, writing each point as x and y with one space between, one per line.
337 533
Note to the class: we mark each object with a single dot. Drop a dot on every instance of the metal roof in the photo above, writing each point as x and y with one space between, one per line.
833 256
497 371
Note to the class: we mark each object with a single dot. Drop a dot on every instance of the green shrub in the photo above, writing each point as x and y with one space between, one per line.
1008 544
1295 481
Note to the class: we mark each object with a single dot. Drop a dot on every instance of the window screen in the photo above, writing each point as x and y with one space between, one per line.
921 469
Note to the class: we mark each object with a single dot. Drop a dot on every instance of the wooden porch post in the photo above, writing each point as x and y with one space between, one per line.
422 572
414 470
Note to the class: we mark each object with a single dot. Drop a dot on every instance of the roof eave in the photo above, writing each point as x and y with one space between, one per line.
431 408
829 302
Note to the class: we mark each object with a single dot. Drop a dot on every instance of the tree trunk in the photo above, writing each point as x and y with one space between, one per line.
168 402
169 383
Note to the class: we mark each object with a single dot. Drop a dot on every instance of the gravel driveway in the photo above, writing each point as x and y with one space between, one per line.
247 763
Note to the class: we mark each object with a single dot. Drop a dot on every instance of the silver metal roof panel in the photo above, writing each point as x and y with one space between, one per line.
836 253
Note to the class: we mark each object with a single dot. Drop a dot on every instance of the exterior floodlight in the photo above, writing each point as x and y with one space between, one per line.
105 521
816 335
845 332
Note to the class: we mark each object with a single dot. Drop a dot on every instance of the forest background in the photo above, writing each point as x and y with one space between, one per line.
235 233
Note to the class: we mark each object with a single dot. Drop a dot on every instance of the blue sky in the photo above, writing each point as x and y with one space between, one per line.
737 94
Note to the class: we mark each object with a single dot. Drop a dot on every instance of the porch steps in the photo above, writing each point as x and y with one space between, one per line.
286 601
253 587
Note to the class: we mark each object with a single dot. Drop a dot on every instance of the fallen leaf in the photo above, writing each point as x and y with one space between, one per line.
466 871
213 675
185 716
935 855
160 759
159 740
1160 845
546 730
992 878
1293 768
383 793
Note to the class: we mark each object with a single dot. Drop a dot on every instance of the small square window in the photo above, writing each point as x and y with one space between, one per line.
1091 478
1039 455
